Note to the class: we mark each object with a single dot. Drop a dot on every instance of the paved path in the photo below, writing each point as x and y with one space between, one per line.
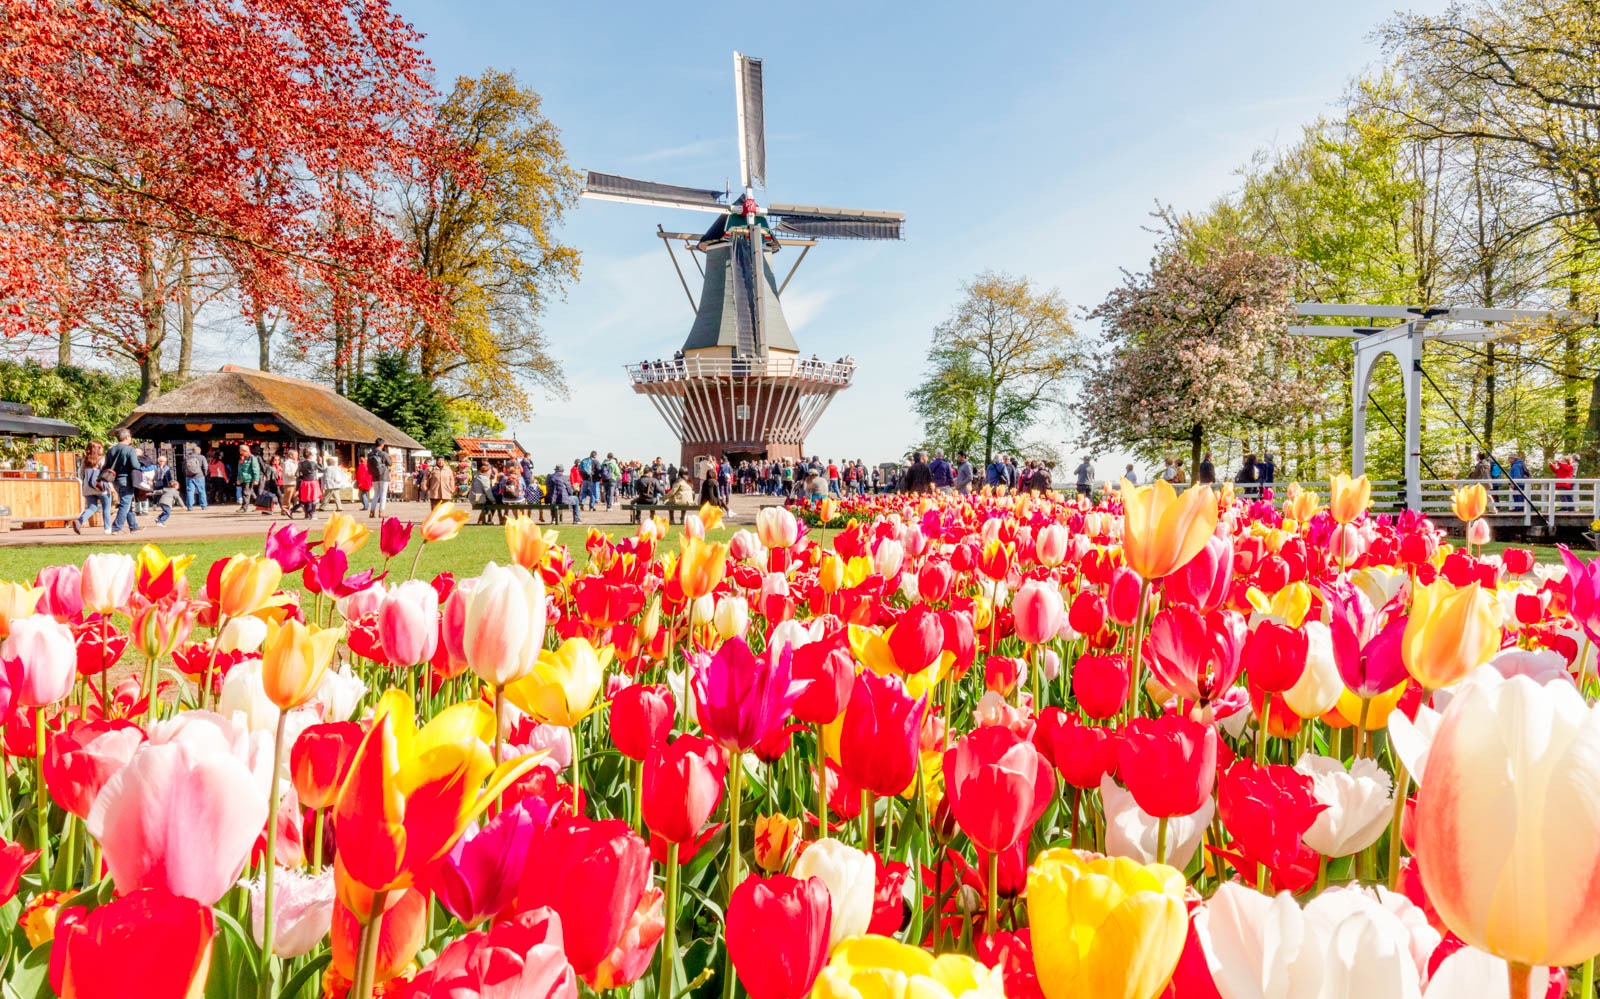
228 522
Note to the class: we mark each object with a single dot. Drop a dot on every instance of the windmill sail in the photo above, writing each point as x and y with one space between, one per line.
752 120
610 187
838 223
746 299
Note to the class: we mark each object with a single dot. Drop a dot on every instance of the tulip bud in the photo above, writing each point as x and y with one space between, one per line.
293 659
777 527
1100 684
732 616
887 558
776 839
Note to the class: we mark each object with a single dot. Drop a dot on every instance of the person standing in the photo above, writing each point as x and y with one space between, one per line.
96 493
590 469
1206 474
248 476
963 473
163 489
334 480
1130 474
441 484
1516 473
1266 470
1084 476
194 478
918 479
123 462
364 482
378 466
309 478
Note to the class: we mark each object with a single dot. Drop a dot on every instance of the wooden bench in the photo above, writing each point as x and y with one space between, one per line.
674 511
502 509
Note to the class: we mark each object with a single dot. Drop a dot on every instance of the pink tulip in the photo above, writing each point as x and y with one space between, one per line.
521 958
182 815
44 660
62 597
408 623
1038 612
106 582
741 698
79 761
1051 544
479 876
503 623
1204 580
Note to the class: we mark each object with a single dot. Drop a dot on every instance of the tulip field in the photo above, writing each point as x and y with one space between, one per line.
1154 745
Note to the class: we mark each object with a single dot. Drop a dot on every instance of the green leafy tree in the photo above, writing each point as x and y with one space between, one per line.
993 366
94 401
403 397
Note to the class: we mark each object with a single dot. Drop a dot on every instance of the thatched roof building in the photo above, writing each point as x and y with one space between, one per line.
243 405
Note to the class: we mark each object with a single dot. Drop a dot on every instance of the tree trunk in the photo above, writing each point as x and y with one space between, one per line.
1196 439
988 429
64 345
154 321
185 317
263 338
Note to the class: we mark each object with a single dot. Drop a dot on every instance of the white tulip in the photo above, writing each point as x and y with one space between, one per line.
1259 946
732 616
1470 973
242 634
1360 802
1131 832
851 877
302 907
1319 687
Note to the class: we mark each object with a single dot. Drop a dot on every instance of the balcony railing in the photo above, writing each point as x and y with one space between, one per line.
832 373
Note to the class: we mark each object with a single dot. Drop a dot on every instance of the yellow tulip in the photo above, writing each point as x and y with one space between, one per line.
1301 505
877 967
443 522
293 660
528 544
17 600
1348 498
701 567
827 510
776 839
156 574
563 686
1115 928
830 574
1288 606
1451 632
1469 502
1378 710
343 532
1162 530
247 583
710 516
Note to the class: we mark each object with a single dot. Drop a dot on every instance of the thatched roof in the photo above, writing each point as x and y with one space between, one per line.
244 400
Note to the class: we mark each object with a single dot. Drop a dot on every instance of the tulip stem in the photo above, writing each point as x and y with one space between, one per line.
421 544
868 826
1261 730
41 798
991 924
638 796
499 721
822 787
367 949
270 861
1402 780
1322 873
1586 986
1161 840
316 840
669 936
735 789
1521 980
1362 738
211 663
1136 672
577 776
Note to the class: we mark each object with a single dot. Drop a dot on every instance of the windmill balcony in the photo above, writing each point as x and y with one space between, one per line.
830 374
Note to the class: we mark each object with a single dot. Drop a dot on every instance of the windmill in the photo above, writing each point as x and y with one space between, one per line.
739 387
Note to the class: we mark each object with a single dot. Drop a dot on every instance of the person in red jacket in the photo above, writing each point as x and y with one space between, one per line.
1563 468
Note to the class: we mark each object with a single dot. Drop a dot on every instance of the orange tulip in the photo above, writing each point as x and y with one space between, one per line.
410 794
1348 498
529 545
710 516
345 533
828 509
1469 502
1301 505
293 660
443 522
1451 632
247 583
1162 530
701 567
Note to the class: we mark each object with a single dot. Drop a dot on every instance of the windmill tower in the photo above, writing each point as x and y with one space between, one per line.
739 387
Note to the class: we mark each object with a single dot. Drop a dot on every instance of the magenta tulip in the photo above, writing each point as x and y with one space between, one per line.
741 697
480 875
1205 579
1038 612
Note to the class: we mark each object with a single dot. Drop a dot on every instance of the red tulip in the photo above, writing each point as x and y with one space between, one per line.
100 646
1037 612
1001 673
777 935
641 718
933 581
593 875
917 639
879 741
1100 684
520 958
81 759
888 896
741 697
1267 810
682 786
959 640
603 603
62 593
1087 614
630 958
1195 655
1168 764
1083 754
14 861
1205 579
393 537
998 785
826 665
1123 595
1012 953
320 759
147 943
1275 656
400 933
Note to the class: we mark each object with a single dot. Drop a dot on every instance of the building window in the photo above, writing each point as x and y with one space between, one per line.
741 412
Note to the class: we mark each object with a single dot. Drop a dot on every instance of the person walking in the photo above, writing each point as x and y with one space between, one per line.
123 463
1084 476
334 481
194 478
97 493
918 479
248 476
163 489
378 466
964 473
309 484
364 483
441 484
1516 473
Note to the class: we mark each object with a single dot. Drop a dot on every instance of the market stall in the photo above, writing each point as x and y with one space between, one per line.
44 491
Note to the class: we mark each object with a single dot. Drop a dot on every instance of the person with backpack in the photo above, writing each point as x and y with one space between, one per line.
163 489
194 478
248 476
97 496
378 466
309 485
122 461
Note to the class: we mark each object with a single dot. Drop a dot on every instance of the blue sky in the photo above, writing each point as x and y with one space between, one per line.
1029 138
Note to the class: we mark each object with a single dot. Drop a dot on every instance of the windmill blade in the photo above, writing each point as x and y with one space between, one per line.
818 222
610 187
752 120
747 296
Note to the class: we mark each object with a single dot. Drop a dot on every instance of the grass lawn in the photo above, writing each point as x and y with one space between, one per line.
465 554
